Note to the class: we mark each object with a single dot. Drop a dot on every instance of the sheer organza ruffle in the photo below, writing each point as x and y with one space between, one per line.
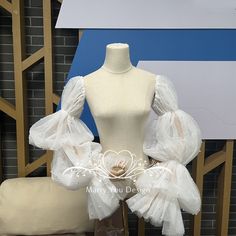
173 136
163 190
63 126
86 166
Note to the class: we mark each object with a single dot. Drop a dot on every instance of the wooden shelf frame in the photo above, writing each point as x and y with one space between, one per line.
21 65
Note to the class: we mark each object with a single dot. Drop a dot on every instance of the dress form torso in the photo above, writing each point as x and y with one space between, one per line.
120 97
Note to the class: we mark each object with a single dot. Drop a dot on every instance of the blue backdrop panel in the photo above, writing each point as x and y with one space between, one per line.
165 44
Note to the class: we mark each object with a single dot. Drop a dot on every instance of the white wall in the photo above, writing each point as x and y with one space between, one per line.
206 90
147 14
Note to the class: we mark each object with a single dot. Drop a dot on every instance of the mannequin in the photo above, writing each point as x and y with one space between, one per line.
119 96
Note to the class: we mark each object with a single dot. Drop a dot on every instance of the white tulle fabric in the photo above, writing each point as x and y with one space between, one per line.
73 146
63 126
174 139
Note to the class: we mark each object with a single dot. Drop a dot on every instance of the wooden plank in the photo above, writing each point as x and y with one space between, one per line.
7 108
198 167
49 156
224 190
6 5
125 217
20 86
1 165
48 65
56 99
35 164
141 227
213 161
32 59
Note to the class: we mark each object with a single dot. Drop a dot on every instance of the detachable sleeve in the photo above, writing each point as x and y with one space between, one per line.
173 137
67 135
174 134
64 126
77 160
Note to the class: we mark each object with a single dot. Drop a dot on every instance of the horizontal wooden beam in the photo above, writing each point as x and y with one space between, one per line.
7 108
55 98
32 59
35 164
6 5
214 161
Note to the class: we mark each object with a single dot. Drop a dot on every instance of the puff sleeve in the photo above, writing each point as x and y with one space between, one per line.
64 126
67 135
76 158
173 138
174 135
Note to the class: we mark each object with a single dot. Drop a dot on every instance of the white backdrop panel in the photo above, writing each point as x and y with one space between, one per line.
147 14
206 90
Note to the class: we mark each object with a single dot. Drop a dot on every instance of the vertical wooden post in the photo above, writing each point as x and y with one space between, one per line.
141 227
1 165
224 190
198 167
48 65
80 33
125 217
20 86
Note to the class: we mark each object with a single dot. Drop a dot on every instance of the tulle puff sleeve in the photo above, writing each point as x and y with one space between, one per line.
76 158
64 133
173 138
63 126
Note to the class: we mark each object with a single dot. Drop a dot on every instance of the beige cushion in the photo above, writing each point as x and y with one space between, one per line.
36 206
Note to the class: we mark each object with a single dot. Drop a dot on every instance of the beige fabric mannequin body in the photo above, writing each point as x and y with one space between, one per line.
119 96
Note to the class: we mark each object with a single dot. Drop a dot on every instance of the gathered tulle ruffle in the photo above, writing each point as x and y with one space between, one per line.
57 129
64 126
173 136
86 166
165 98
163 190
68 180
103 198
